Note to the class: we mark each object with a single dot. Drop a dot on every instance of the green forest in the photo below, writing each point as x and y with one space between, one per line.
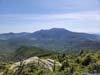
84 62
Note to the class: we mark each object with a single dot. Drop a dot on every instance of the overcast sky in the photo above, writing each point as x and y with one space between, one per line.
33 15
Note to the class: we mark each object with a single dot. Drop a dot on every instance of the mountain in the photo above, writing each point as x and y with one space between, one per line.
25 52
56 39
12 35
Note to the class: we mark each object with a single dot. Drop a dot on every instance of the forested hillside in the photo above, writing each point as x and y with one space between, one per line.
56 39
36 61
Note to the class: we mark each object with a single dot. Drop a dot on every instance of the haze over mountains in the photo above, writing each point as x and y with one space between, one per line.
56 39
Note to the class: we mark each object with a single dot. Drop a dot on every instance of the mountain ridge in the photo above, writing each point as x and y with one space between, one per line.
58 39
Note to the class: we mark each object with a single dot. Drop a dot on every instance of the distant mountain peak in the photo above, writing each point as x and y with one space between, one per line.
55 38
59 29
54 30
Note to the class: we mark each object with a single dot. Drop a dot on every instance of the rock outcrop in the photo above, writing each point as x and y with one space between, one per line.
47 64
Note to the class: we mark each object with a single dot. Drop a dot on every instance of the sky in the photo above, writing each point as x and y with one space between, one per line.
32 15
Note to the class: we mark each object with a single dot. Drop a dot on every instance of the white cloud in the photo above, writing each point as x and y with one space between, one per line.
88 15
78 21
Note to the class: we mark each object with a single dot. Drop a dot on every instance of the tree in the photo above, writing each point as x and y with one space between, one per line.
87 60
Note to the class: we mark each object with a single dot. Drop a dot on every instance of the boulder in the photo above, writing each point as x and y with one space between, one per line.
47 64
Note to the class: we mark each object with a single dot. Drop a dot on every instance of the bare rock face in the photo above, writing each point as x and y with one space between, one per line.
1 73
47 64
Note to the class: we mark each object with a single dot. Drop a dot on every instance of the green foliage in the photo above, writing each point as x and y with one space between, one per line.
76 73
25 52
72 64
